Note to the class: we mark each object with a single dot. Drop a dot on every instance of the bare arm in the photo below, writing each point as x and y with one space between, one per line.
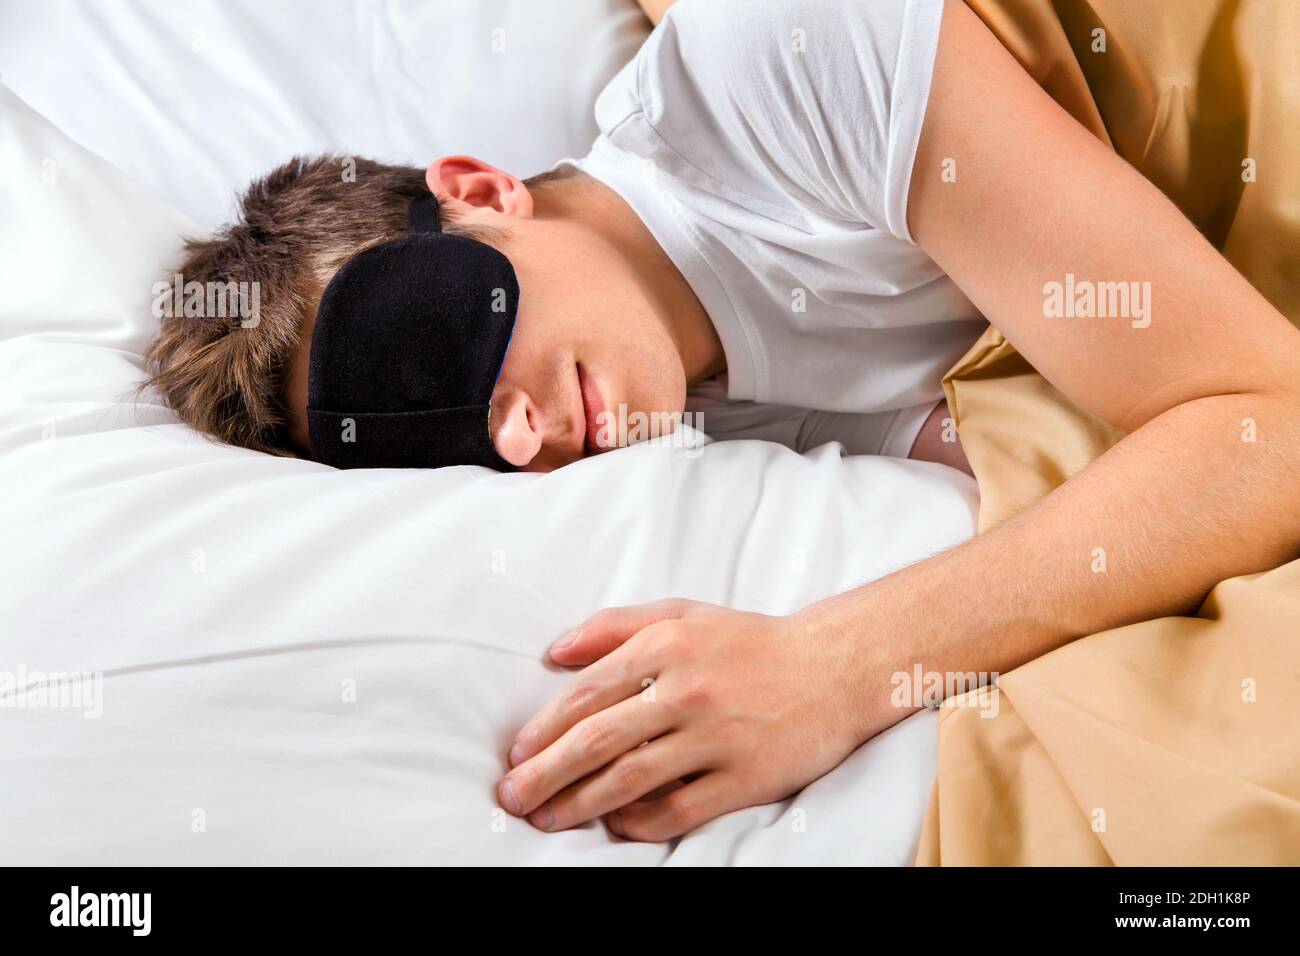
1186 500
747 707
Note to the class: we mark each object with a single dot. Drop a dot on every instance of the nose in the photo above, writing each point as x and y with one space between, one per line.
514 434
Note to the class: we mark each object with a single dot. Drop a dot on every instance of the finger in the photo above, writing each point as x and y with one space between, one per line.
584 749
682 810
650 769
607 682
610 628
667 788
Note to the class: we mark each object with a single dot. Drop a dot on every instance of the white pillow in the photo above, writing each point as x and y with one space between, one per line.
308 665
194 99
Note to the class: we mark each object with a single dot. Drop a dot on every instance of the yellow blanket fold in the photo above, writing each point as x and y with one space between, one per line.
1175 741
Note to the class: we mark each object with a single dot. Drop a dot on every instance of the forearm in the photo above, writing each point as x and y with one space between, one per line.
1146 531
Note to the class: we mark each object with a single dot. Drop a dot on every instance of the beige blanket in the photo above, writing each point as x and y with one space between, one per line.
1175 741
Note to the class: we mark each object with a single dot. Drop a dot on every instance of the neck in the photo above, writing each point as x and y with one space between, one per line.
603 212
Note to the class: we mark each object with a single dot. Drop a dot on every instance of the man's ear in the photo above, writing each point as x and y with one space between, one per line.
473 184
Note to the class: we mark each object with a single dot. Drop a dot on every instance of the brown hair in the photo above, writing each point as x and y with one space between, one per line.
296 227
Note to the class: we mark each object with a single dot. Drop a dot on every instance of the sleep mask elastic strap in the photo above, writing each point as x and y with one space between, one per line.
423 215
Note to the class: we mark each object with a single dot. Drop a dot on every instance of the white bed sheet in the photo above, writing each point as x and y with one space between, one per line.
231 600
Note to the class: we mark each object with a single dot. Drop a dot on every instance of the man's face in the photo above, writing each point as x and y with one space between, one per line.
586 341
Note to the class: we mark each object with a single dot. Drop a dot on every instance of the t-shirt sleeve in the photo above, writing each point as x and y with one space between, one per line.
786 103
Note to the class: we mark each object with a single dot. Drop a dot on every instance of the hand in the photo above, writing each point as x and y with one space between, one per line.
698 708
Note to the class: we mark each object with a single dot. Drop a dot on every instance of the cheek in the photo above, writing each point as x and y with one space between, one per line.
656 380
535 362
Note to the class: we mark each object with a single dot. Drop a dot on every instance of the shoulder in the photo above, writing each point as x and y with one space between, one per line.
789 26
762 56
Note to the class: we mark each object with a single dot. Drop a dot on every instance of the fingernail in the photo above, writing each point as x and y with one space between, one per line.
508 797
516 754
566 640
542 817
616 824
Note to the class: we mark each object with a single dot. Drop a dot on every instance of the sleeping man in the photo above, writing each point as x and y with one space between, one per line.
802 213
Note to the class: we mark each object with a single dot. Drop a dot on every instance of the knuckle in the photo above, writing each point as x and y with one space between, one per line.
680 812
627 826
576 698
593 736
630 776
694 694
671 638
524 781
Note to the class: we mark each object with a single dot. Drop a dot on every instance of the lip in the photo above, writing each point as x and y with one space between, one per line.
593 405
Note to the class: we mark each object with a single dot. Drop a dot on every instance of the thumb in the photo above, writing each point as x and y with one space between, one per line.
608 629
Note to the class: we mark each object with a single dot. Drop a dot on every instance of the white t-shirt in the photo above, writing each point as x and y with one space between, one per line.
768 147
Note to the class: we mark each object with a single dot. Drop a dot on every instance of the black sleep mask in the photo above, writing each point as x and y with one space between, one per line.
410 339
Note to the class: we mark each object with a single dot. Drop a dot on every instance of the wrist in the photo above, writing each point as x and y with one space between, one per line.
858 659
